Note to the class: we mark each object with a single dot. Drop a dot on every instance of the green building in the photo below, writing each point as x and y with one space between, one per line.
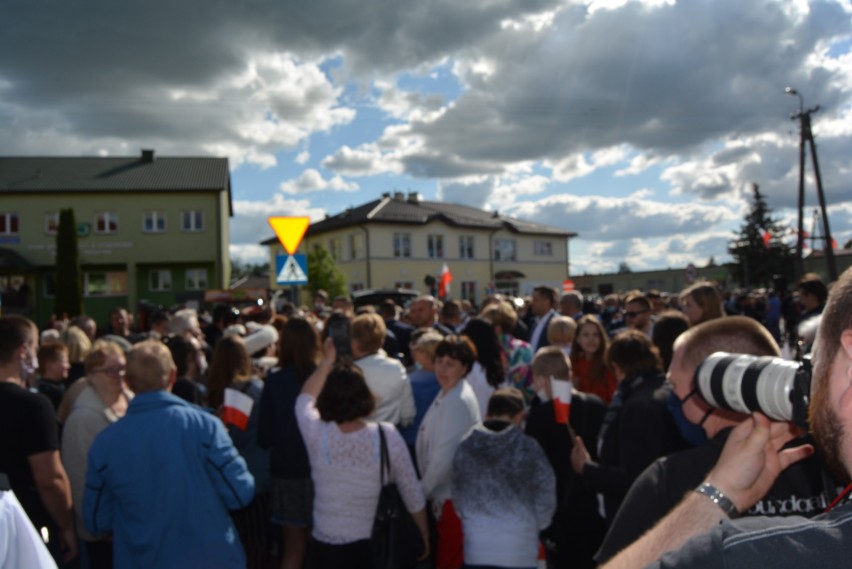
150 229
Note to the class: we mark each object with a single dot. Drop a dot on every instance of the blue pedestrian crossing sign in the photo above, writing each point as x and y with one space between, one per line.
291 269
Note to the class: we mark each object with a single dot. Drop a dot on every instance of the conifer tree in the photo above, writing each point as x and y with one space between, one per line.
69 284
759 249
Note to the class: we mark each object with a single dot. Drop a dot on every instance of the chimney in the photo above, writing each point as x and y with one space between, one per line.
413 197
399 196
147 156
385 194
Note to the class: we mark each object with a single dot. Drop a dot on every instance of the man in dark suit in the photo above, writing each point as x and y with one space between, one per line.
402 331
544 299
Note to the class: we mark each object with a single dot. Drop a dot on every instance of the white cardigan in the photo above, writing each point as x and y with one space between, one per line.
388 381
447 421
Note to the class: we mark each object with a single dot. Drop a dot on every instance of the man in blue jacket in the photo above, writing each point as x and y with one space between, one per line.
162 479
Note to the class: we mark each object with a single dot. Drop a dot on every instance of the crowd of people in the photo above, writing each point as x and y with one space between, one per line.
554 431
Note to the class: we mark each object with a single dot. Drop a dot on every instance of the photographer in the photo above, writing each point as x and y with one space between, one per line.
751 462
663 484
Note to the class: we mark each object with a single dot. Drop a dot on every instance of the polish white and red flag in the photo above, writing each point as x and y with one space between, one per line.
444 283
561 390
237 408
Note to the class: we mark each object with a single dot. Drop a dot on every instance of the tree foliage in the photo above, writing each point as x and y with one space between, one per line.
69 281
755 263
324 274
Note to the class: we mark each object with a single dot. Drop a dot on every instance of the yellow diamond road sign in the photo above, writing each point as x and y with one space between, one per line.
290 231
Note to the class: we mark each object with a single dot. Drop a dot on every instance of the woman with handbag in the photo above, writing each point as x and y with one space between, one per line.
345 454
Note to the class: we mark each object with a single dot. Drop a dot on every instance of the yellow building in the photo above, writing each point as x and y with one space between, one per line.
401 241
150 229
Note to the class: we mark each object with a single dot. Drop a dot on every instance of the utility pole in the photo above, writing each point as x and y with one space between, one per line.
805 136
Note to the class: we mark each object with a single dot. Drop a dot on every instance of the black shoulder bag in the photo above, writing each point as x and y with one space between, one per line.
395 540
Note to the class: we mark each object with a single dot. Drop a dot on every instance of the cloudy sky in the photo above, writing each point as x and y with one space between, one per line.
640 125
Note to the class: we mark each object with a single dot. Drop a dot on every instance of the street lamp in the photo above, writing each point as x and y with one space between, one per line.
793 92
806 135
800 235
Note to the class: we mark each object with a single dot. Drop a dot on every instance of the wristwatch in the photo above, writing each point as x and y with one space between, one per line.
718 497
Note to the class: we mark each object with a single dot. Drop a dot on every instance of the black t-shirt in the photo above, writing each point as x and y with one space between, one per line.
27 427
53 390
661 487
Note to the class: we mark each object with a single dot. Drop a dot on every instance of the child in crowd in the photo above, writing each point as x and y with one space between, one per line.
504 489
560 333
577 528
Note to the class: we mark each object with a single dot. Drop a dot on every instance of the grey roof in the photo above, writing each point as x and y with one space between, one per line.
93 174
397 210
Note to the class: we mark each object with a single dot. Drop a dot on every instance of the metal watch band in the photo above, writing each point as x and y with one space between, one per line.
718 497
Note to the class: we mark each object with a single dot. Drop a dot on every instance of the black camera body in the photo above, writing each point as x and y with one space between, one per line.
778 388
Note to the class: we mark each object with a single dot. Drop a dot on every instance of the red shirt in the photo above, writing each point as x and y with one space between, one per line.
582 382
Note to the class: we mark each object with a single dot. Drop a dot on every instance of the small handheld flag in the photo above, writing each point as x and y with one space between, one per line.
561 400
237 408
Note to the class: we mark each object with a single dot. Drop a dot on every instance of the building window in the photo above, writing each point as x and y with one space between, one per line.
504 250
543 248
466 247
196 279
404 285
192 220
354 242
402 244
51 223
106 222
154 221
105 283
468 291
335 248
160 280
9 223
356 286
435 246
507 288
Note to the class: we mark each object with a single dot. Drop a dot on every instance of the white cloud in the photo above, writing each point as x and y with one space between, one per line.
548 105
249 225
312 181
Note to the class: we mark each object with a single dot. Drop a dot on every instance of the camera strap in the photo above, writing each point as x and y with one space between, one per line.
840 498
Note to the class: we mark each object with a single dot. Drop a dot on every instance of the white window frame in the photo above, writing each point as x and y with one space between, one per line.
335 248
157 218
51 219
543 248
191 280
196 220
109 218
109 277
352 241
435 246
468 291
402 245
8 218
466 247
500 245
159 280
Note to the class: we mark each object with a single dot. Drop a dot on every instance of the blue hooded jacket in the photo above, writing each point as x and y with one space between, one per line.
161 481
